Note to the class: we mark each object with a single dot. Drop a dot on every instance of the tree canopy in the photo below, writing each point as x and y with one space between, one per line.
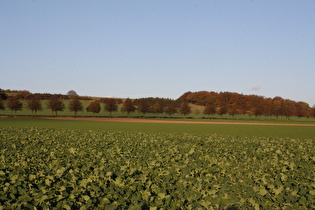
128 107
185 109
72 93
34 104
143 106
55 104
94 107
14 104
75 106
111 106
235 103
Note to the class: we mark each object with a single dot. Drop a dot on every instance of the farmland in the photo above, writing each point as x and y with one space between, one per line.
281 131
62 168
160 162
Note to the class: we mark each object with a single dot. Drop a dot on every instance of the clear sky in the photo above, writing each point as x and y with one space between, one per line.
142 48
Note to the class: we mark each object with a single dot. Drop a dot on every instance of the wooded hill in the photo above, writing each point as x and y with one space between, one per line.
235 103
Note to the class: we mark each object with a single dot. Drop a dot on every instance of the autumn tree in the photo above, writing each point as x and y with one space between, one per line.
313 111
143 106
128 106
223 101
302 109
185 109
24 94
232 110
75 105
200 98
171 109
94 107
158 108
14 104
111 106
209 109
276 106
267 107
243 104
233 103
222 110
185 96
55 104
288 108
34 104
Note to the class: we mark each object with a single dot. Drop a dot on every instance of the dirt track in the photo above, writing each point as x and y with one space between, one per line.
169 121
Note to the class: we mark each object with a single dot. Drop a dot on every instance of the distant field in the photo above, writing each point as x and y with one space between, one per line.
302 132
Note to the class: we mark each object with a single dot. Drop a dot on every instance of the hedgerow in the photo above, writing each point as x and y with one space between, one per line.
72 169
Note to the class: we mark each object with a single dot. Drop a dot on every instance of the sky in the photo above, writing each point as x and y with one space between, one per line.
149 48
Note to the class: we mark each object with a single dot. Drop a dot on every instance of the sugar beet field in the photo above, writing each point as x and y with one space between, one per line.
54 168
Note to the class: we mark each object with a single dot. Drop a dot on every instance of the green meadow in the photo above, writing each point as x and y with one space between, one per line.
282 131
55 164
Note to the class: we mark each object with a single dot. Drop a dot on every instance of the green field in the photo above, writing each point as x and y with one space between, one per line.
302 132
67 164
83 169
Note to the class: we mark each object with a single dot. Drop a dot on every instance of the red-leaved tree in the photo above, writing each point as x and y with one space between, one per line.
128 107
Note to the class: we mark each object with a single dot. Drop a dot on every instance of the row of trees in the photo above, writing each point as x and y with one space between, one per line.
56 104
214 103
235 103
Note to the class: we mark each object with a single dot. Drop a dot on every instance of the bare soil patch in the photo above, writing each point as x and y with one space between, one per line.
137 120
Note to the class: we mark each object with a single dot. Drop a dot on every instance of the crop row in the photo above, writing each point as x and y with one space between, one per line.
71 169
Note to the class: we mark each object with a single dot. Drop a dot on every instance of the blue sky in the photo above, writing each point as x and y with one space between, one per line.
133 48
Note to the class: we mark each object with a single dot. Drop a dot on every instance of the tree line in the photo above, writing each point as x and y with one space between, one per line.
214 103
56 104
252 105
